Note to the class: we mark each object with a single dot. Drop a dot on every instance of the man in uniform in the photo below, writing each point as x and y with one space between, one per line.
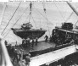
32 43
28 42
46 38
36 41
27 59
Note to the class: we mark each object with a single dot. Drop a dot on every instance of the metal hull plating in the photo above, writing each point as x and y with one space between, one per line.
32 33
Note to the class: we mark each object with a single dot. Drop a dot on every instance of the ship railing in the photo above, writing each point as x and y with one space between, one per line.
53 56
6 60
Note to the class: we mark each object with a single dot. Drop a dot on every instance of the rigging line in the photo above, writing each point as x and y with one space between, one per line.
47 24
43 4
11 18
3 14
27 16
33 20
44 7
59 11
19 17
32 16
44 16
76 23
17 20
69 17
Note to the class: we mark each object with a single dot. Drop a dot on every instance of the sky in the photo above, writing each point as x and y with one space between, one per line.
56 14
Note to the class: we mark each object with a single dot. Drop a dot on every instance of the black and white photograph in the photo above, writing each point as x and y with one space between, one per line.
39 33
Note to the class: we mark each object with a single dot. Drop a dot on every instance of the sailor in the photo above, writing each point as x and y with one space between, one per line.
32 43
50 38
46 38
28 41
22 53
36 42
27 59
18 57
16 43
14 53
23 42
22 63
6 43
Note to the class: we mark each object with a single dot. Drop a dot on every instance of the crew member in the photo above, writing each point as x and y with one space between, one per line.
32 43
23 42
28 42
46 38
36 41
6 43
27 59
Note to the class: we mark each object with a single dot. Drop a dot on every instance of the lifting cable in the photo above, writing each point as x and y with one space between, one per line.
29 17
30 11
30 14
33 20
43 16
11 18
16 21
46 17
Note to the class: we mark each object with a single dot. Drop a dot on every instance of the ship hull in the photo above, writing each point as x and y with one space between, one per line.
29 33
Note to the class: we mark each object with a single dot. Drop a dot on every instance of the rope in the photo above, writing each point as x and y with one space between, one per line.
19 18
69 16
46 17
33 20
11 18
59 11
16 21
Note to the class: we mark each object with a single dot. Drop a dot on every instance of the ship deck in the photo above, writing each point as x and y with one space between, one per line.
45 50
41 48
